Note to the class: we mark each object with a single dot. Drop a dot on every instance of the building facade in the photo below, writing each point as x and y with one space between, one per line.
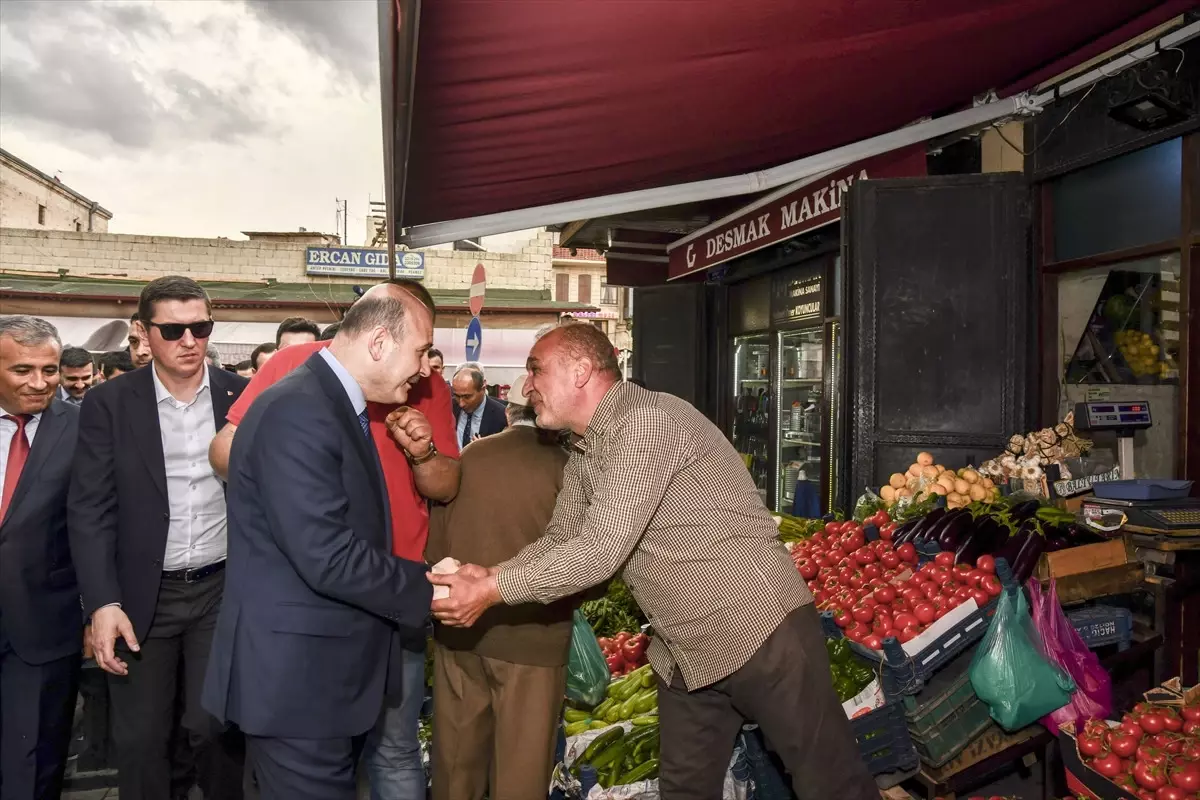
581 276
29 198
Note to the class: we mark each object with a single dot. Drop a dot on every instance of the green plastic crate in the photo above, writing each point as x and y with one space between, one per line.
946 715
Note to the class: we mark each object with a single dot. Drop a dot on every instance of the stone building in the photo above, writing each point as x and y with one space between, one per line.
580 276
29 198
87 284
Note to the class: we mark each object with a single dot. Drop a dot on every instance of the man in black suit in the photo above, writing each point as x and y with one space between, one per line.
309 631
147 525
41 626
476 414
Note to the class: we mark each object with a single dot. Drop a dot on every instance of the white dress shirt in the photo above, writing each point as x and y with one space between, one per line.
474 419
8 429
196 534
353 391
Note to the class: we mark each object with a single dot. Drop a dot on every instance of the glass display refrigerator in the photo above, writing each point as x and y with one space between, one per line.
785 418
800 414
751 432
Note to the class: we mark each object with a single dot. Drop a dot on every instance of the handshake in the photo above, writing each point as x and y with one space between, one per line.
462 592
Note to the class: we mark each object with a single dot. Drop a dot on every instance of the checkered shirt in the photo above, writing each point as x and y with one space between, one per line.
654 490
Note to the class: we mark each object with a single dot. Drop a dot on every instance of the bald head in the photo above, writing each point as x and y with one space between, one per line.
384 341
570 369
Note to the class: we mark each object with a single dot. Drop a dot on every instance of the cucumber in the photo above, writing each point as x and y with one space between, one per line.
646 701
575 715
610 755
601 742
576 728
647 719
599 711
642 772
598 724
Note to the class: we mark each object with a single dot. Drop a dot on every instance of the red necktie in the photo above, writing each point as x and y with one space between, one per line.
18 452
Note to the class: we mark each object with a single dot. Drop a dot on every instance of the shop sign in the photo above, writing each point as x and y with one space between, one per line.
359 262
797 297
783 216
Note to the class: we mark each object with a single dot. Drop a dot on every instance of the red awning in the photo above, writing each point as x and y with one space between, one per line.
524 103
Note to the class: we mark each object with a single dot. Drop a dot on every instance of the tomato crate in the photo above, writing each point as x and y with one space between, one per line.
946 715
884 740
1101 625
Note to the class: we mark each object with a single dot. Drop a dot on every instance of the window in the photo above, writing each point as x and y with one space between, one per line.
78 225
585 289
608 294
474 245
41 214
1119 339
562 288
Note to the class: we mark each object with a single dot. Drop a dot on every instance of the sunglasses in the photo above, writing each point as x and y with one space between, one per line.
173 331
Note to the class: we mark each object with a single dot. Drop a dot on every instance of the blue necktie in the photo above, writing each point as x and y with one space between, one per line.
365 423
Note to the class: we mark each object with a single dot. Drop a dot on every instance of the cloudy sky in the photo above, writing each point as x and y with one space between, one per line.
198 117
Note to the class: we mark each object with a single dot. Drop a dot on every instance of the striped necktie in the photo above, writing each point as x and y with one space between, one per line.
365 423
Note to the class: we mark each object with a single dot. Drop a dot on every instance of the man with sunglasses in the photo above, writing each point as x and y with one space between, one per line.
147 523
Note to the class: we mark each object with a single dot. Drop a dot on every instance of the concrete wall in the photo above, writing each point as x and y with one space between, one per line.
146 257
21 194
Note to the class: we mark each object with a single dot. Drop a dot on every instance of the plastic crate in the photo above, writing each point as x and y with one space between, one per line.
766 773
883 739
947 714
902 674
1100 625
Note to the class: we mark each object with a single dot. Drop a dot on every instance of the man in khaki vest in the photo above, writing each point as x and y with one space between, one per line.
498 686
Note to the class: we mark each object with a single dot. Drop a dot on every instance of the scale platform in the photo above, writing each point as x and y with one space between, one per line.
1180 516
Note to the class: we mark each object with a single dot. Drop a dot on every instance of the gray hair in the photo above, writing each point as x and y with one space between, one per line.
516 413
29 331
476 376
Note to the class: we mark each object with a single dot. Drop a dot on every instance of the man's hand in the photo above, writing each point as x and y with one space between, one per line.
472 571
107 624
411 430
470 596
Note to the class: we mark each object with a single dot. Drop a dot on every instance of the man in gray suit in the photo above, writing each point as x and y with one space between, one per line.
41 623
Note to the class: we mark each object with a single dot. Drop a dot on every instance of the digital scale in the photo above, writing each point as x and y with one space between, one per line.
1151 515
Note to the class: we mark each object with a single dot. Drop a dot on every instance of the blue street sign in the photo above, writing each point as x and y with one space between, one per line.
474 339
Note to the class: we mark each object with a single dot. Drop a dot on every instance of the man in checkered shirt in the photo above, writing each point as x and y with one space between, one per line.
653 490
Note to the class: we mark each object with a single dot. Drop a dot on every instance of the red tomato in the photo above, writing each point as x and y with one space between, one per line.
852 540
986 563
833 527
981 597
930 590
963 593
870 601
1152 722
924 613
939 574
1130 728
885 594
865 555
857 631
1090 745
1191 712
1171 720
952 603
873 641
863 614
974 576
890 560
907 553
1173 793
941 611
1186 777
808 570
872 571
961 571
907 634
905 619
900 604
944 559
842 618
991 585
1149 776
848 526
887 531
1109 765
883 621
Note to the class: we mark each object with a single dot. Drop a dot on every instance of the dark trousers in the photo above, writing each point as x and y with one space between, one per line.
93 686
37 705
168 671
786 688
305 769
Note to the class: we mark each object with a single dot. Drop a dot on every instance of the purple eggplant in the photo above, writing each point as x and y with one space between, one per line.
953 531
904 532
1056 543
920 533
1011 547
1023 511
1027 558
979 539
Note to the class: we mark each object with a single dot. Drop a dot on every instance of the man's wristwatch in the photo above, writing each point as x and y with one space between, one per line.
416 462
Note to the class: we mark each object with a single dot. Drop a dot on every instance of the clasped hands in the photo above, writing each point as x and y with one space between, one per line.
473 590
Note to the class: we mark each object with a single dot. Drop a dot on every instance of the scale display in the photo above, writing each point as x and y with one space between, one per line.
1105 416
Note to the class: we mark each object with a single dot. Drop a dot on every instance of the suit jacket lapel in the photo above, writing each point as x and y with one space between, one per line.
222 396
49 431
143 422
349 421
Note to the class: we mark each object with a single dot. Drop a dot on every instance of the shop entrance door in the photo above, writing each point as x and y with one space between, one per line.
940 321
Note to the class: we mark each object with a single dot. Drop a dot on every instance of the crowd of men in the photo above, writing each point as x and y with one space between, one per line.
249 548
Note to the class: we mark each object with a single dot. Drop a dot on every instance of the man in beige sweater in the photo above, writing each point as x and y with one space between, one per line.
498 686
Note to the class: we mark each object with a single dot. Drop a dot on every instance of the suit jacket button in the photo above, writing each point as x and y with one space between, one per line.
166 516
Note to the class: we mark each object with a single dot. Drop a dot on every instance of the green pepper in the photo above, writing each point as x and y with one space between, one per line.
862 676
844 688
839 651
642 772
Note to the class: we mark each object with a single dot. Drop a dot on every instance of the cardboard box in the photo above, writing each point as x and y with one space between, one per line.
1084 558
1082 779
1173 693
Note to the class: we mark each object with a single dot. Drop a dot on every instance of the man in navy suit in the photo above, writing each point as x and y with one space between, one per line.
314 599
476 415
41 624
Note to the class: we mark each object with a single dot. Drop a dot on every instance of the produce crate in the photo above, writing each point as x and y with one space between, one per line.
884 740
947 715
902 674
1100 625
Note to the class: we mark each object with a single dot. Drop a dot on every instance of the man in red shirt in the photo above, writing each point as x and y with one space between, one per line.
418 452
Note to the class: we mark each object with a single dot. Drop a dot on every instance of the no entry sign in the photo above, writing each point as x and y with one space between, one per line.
475 299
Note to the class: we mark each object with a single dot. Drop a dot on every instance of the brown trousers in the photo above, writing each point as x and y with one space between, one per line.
494 724
786 688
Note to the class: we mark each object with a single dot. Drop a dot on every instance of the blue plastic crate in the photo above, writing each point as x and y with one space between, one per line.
1101 625
884 740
